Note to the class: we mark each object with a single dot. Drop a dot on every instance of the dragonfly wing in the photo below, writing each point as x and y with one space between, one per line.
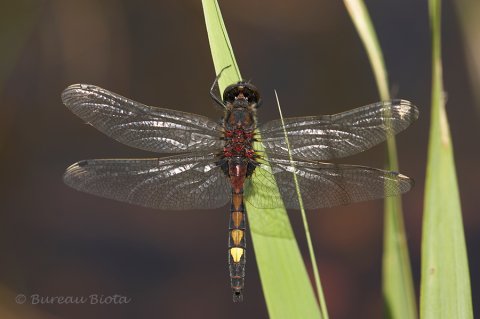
334 136
321 184
176 183
141 126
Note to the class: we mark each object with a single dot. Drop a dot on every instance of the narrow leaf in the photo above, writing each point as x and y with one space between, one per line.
468 12
321 297
445 284
286 285
398 292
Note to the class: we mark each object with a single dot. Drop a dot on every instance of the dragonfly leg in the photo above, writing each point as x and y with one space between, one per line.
217 99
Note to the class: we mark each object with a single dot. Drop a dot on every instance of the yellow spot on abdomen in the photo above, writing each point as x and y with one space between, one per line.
236 253
237 236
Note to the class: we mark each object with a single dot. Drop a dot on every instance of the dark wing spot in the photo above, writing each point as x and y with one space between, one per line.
82 163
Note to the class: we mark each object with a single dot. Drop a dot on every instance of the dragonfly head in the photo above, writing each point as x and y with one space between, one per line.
242 94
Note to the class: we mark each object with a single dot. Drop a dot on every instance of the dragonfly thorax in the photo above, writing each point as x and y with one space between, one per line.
238 143
239 118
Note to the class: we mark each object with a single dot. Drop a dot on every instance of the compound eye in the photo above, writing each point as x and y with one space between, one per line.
230 97
249 95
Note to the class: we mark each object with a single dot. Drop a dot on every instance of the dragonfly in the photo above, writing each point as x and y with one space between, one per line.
219 162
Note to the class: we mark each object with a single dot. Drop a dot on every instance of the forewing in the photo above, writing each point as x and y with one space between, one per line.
334 136
321 184
141 126
174 183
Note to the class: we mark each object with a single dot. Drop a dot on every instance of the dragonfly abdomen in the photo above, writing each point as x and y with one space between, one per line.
237 231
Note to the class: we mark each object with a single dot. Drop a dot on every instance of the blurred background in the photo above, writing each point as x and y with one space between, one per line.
59 242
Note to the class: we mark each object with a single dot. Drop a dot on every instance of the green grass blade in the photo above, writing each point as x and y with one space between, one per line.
468 12
445 284
361 19
220 47
286 285
316 275
398 291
